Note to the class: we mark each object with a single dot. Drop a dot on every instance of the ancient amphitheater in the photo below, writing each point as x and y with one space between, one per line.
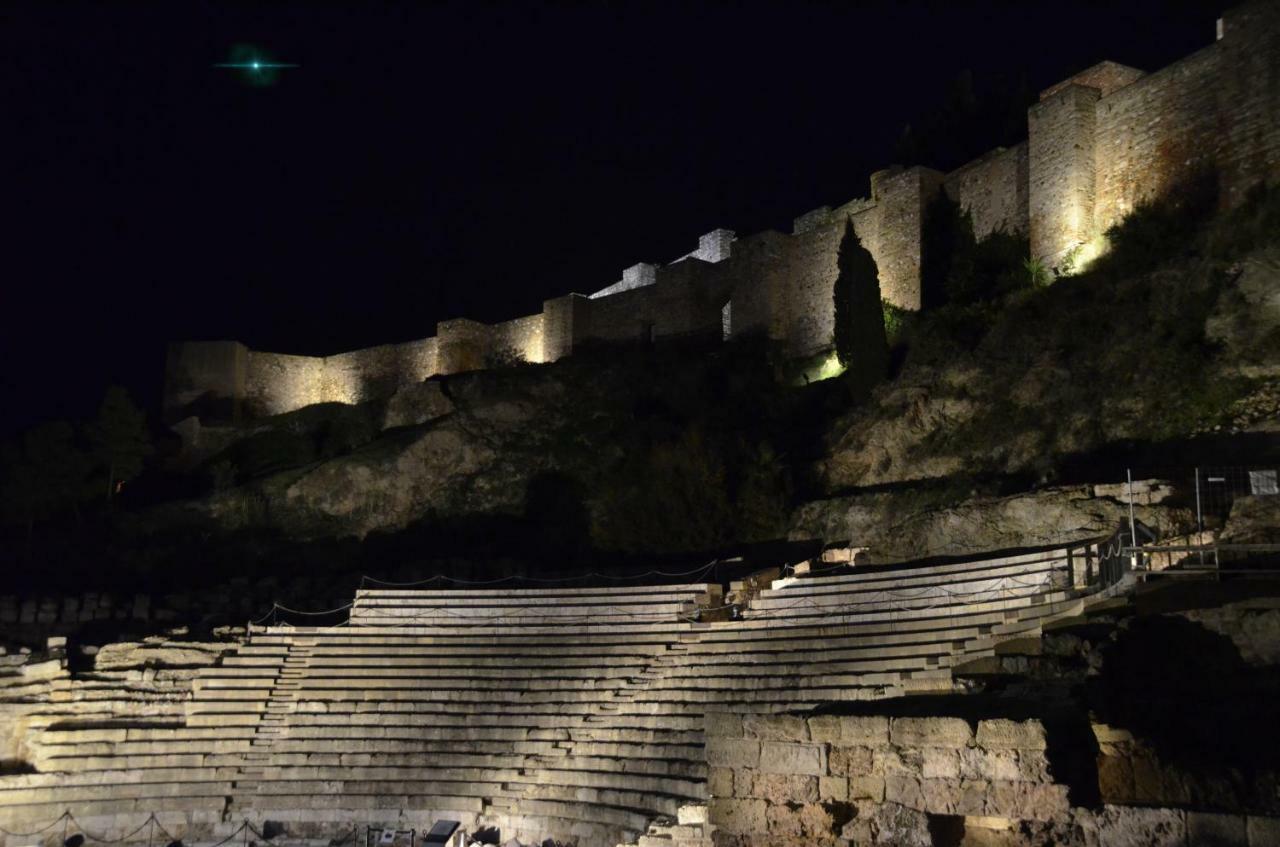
571 713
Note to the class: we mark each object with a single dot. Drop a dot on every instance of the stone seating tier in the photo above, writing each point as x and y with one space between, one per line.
546 712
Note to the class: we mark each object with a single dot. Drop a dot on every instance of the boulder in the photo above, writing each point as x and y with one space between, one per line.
417 404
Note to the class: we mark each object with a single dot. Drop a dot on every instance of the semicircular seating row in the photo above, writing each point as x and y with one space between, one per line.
543 712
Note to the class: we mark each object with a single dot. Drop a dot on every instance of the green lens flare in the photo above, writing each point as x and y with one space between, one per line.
255 66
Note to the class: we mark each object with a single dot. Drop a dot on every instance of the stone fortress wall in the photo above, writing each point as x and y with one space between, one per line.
1097 145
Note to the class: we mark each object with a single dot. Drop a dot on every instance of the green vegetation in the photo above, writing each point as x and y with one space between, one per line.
1115 352
860 341
119 439
896 320
957 268
55 470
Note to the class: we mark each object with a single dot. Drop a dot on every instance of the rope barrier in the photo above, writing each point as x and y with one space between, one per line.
103 839
40 831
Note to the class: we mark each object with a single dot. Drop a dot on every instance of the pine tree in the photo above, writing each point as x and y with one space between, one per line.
860 339
119 438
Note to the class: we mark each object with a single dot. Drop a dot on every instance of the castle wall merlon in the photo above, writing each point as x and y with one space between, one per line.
636 276
1106 77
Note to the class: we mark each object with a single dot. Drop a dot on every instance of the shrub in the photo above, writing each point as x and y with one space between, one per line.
1254 223
895 321
1162 228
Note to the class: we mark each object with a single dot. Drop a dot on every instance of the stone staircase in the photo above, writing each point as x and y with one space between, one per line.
282 701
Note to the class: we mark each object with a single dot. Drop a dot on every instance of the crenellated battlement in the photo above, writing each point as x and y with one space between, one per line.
1098 144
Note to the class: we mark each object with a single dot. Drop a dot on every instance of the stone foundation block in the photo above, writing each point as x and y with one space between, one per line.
736 816
976 763
723 724
720 782
825 728
869 729
1026 800
941 763
930 732
779 788
866 788
850 761
887 761
1004 734
833 788
790 758
733 753
775 728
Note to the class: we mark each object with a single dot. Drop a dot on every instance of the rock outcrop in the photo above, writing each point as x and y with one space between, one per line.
904 525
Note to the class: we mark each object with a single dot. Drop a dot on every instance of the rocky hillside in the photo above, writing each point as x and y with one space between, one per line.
1088 362
1002 412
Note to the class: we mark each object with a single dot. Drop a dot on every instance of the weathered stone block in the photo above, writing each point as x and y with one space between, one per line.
941 763
976 763
777 787
723 724
736 816
1004 734
833 788
793 758
866 788
775 727
824 728
930 732
784 820
1027 800
849 761
870 730
886 761
691 814
1115 779
1217 830
733 753
720 782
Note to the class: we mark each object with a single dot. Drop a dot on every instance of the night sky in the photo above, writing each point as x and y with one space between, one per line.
431 161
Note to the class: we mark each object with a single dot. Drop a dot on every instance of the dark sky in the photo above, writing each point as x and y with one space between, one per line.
430 161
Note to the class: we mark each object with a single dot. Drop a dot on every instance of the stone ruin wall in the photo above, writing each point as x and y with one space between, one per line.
1098 144
839 780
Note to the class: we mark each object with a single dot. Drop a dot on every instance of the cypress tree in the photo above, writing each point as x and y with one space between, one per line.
860 339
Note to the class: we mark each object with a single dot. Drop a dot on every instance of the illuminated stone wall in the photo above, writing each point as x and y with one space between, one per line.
1098 143
521 338
1111 137
278 383
801 275
993 189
